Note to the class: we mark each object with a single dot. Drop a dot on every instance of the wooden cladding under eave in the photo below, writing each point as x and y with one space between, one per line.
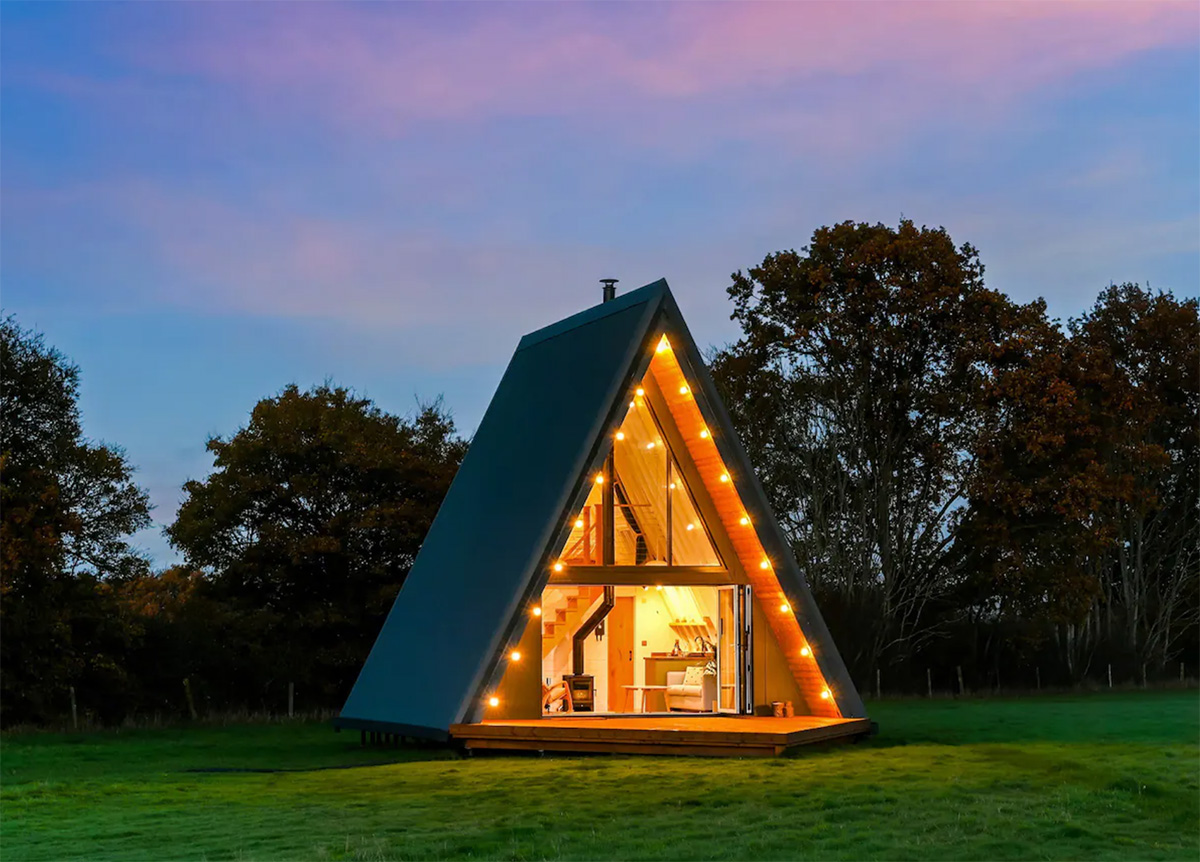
703 451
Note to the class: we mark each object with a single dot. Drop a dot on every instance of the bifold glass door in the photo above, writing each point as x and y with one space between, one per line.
734 665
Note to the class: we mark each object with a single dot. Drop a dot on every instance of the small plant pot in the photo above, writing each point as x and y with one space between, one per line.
788 709
777 708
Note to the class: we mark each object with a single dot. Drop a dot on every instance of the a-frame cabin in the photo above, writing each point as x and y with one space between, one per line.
605 573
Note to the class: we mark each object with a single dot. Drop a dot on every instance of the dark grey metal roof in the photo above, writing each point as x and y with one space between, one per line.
487 554
475 571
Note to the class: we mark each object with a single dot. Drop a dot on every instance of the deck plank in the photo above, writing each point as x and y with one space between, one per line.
697 735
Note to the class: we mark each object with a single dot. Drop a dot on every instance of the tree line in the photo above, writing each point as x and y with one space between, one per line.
969 486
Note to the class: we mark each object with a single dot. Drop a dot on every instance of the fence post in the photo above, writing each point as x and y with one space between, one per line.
961 689
187 690
1110 674
75 713
929 681
291 699
879 690
1038 673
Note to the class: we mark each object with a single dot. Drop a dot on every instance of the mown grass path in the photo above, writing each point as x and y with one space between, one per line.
1085 776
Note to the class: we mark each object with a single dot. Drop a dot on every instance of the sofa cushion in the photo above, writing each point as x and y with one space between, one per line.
694 675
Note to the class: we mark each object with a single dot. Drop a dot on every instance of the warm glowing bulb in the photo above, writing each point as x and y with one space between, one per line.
745 522
724 477
537 612
558 567
704 434
825 694
784 608
658 587
683 390
599 478
805 651
764 565
493 701
664 345
516 656
631 404
620 435
579 524
649 445
691 526
672 486
639 392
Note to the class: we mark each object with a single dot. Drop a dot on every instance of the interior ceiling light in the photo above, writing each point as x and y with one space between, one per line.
599 478
493 701
516 656
663 345
704 434
579 524
558 567
621 434
683 390
640 392
724 477
745 522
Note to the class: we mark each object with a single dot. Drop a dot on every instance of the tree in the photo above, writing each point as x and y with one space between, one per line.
309 524
69 506
857 387
1151 573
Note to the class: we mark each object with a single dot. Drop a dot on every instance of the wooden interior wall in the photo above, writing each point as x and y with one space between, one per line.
776 605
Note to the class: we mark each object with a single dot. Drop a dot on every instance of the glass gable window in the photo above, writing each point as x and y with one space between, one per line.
655 521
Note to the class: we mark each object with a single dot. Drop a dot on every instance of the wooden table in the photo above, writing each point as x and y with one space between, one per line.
630 689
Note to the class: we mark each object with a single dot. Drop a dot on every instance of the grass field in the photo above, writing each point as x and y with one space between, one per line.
1085 776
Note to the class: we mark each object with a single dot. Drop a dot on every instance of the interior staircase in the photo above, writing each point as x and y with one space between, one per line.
568 619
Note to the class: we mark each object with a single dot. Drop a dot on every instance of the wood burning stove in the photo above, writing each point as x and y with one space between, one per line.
583 691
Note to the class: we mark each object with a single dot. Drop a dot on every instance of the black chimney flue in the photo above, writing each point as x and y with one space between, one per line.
610 288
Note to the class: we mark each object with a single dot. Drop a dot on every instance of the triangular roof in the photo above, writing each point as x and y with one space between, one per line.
488 554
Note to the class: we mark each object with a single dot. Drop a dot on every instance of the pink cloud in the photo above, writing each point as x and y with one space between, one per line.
388 68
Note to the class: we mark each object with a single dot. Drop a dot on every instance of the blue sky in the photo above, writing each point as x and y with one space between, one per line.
205 202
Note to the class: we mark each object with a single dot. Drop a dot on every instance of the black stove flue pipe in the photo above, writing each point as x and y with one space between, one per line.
610 601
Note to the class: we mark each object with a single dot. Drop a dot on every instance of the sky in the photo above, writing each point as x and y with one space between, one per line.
201 203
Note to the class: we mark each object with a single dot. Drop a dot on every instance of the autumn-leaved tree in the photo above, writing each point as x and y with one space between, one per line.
307 526
68 507
857 388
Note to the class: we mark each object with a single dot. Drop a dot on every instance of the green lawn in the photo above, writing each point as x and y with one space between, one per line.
1087 776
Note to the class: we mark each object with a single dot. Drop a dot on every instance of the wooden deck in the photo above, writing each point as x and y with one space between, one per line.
705 735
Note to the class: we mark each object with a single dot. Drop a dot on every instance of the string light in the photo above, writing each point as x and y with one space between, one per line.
805 652
663 345
579 524
683 390
724 477
765 564
672 486
650 445
493 701
691 526
536 611
516 656
785 607
745 522
640 392
658 587
704 434
631 405
825 694
599 478
558 567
